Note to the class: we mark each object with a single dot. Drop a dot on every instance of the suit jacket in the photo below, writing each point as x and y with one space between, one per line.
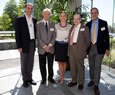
103 36
45 38
22 33
83 42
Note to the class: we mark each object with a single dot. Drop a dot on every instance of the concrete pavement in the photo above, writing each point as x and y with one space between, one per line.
11 79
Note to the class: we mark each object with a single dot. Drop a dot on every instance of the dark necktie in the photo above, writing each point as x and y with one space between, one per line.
46 27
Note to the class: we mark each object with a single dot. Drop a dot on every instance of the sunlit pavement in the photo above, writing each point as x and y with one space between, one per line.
11 79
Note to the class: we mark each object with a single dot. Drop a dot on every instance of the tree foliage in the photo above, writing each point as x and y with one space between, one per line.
13 10
56 7
5 22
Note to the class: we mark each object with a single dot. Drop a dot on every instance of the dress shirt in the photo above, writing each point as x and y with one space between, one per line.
31 27
45 22
75 37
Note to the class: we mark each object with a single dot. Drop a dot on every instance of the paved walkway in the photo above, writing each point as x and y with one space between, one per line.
11 79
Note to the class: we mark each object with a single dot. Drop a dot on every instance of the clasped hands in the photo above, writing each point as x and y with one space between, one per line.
47 48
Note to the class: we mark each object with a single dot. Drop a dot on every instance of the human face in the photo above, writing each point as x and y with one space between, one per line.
94 14
76 20
28 9
46 15
63 17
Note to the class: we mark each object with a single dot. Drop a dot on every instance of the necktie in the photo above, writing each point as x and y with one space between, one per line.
71 37
94 34
46 26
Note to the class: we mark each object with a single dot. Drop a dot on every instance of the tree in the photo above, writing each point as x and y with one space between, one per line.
21 7
11 10
5 22
14 10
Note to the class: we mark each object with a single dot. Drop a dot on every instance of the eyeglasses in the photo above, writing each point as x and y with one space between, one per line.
94 13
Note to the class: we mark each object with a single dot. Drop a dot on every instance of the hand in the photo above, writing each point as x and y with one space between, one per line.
20 50
107 52
47 49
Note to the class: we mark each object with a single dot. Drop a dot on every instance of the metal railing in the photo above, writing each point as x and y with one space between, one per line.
7 34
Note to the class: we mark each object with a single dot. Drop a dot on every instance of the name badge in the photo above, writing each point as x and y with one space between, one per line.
103 28
51 29
82 29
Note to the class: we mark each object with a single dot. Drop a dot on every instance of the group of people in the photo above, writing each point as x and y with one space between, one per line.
62 41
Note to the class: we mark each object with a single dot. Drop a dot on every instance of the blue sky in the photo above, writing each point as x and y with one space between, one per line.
105 8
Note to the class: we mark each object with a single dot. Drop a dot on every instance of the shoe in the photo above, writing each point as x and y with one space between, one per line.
80 87
32 82
25 84
43 82
52 81
72 84
91 83
96 90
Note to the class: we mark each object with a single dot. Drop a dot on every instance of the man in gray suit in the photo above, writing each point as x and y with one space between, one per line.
79 42
46 40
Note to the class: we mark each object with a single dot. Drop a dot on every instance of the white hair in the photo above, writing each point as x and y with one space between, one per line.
47 9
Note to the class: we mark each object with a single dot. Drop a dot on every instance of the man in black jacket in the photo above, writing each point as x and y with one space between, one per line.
99 46
25 40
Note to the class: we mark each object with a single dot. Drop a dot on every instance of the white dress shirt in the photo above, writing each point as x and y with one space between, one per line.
45 22
30 27
75 37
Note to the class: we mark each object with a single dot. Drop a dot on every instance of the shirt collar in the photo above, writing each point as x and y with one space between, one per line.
27 17
78 25
96 20
45 21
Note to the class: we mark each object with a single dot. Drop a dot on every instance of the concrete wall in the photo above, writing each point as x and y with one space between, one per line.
7 44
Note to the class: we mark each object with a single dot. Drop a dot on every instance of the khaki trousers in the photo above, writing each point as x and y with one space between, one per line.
76 65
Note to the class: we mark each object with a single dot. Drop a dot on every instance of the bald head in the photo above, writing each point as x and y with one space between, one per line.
76 19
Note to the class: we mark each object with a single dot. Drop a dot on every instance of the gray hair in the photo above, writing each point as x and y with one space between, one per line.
47 9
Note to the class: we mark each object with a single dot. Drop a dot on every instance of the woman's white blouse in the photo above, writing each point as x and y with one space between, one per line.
62 33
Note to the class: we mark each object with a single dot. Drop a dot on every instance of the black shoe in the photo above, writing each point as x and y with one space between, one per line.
80 87
32 82
91 83
52 81
72 84
96 90
25 84
43 82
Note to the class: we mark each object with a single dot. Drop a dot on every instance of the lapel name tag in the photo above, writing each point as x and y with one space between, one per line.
103 28
82 29
51 29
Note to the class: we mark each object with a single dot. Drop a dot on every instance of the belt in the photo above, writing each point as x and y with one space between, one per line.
93 44
32 40
74 43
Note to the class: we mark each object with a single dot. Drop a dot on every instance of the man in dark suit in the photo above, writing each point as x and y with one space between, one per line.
99 46
79 43
25 40
46 39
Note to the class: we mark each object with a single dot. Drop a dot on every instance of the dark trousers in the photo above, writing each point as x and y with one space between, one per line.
43 58
27 61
